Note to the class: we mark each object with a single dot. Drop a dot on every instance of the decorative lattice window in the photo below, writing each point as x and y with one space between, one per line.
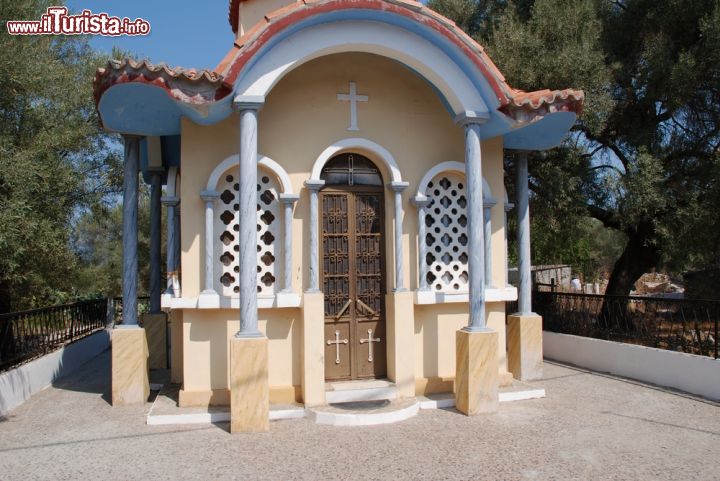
227 227
446 262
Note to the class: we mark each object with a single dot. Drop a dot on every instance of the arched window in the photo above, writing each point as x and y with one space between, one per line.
351 169
268 234
446 233
443 218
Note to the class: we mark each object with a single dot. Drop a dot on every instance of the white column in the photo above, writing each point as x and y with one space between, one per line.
288 201
210 197
508 208
398 188
475 227
421 202
171 203
129 233
155 226
523 235
248 218
487 240
314 185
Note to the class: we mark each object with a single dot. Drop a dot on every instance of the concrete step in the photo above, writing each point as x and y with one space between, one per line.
358 391
518 391
365 413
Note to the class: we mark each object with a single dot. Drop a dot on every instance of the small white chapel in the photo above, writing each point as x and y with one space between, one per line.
335 213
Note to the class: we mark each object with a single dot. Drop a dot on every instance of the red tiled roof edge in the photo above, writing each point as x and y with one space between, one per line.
528 106
188 85
515 103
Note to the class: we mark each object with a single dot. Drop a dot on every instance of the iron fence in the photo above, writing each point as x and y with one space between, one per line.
685 325
28 334
143 306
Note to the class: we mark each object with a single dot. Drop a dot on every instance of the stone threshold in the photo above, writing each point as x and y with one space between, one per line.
165 411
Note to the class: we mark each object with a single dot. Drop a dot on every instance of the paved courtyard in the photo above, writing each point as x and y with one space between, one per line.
590 427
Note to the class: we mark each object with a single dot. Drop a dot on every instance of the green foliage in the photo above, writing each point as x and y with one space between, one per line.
54 159
97 240
643 157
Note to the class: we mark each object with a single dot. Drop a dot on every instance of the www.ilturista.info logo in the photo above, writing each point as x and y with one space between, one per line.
57 22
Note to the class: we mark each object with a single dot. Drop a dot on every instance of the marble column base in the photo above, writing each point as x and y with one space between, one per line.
313 349
249 388
130 383
525 350
155 326
400 329
476 375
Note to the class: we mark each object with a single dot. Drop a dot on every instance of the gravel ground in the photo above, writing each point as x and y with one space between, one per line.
590 427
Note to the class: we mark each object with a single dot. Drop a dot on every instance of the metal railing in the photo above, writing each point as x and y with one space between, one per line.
28 334
686 325
143 305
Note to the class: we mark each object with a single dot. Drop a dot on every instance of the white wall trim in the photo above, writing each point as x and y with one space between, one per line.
279 300
17 385
504 294
263 161
357 143
686 372
363 36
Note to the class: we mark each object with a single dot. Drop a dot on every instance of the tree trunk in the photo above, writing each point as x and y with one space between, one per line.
639 257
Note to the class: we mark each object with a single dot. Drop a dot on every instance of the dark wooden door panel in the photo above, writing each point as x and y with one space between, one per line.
353 280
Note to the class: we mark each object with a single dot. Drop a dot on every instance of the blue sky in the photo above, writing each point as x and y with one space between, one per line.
186 33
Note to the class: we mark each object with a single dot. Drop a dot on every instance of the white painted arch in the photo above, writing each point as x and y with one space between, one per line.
377 38
361 144
266 162
173 182
451 166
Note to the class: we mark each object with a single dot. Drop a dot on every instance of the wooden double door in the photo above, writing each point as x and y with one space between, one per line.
353 280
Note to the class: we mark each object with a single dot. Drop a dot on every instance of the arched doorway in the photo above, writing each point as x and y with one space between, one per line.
353 268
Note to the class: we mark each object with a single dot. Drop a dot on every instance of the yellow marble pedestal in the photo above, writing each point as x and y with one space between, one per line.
525 350
130 383
249 388
476 377
400 328
155 326
313 349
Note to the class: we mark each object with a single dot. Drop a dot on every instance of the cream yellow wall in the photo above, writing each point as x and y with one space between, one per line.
435 327
206 346
300 119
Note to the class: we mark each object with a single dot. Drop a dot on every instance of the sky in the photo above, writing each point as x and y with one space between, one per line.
185 33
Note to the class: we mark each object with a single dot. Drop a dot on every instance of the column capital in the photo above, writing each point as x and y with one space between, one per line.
472 117
248 102
170 200
209 195
314 184
488 203
420 201
288 198
509 206
398 186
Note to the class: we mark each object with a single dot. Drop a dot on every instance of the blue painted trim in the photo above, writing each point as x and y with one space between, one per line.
148 110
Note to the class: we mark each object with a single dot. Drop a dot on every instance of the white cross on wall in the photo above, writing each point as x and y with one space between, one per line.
353 98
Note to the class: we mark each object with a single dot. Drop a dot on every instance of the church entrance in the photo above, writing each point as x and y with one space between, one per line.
353 268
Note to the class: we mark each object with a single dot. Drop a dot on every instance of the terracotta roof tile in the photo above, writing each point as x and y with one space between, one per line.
194 86
188 85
